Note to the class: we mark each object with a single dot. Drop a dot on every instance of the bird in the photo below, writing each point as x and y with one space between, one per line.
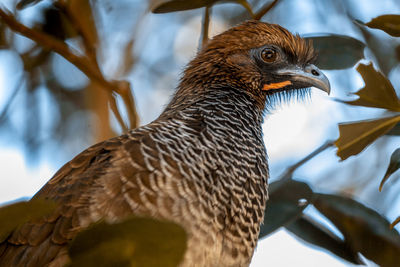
201 164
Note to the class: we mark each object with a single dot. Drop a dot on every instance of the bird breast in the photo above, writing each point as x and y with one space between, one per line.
208 172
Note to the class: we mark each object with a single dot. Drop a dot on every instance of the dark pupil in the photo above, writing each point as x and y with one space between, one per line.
268 54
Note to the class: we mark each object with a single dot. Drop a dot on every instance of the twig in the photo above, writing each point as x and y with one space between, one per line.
264 10
247 6
393 224
55 45
11 99
289 171
127 97
205 26
81 62
76 22
113 106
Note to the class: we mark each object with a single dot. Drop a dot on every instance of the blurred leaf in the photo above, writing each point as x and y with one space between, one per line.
365 230
387 23
394 165
395 130
383 49
14 215
356 136
26 3
133 242
287 200
166 6
57 24
337 51
3 38
378 91
316 234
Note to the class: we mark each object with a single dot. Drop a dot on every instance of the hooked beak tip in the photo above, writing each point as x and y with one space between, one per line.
309 76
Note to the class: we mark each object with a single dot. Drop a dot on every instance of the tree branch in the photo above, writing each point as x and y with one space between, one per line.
113 106
264 10
83 63
55 45
205 26
88 34
127 97
393 224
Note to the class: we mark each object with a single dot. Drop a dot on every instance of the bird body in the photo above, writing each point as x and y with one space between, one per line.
201 164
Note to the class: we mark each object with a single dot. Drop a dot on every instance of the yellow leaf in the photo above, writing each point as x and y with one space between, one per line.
378 92
354 137
394 165
387 23
14 215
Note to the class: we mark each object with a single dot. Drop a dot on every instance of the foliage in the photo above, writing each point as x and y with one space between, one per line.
387 23
73 29
133 242
394 165
358 224
14 215
337 51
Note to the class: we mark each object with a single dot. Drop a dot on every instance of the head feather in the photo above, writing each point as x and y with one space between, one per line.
253 34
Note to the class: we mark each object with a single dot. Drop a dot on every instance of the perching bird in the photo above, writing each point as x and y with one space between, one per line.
201 164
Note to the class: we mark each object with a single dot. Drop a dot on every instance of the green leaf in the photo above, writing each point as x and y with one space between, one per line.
287 200
365 230
14 215
316 234
134 242
378 91
166 6
394 165
356 136
387 23
337 51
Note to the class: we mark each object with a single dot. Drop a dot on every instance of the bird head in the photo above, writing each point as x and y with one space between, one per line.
263 60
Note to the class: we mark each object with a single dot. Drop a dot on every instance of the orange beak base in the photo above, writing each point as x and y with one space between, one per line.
272 86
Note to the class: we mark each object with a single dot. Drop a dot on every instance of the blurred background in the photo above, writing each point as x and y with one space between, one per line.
50 111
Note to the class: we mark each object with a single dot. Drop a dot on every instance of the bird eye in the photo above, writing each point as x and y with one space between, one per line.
268 55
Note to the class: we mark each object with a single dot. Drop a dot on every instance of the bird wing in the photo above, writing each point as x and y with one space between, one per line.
86 189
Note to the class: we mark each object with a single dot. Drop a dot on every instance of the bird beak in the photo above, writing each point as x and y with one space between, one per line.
307 76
